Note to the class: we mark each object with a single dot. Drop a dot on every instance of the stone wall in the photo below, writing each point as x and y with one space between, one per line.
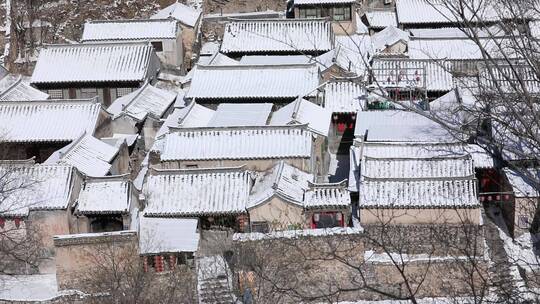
78 256
242 6
343 267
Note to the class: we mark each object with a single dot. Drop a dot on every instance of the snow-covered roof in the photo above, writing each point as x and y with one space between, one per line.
241 114
34 187
283 180
247 81
181 12
398 126
88 154
350 54
388 37
277 36
303 112
410 73
318 2
379 19
327 196
524 182
450 49
103 62
412 12
197 192
105 196
15 88
535 29
275 59
147 29
418 193
513 79
344 96
48 120
480 158
168 235
392 168
236 143
192 116
217 59
147 100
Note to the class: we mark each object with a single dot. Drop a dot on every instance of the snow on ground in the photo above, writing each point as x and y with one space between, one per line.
28 287
419 301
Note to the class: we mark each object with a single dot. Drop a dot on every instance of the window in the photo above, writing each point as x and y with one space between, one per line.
327 220
342 13
261 227
89 92
523 222
123 91
158 46
56 94
312 12
192 166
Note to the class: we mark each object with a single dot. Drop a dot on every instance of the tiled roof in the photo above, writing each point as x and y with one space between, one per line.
252 82
147 100
105 196
327 196
480 158
181 12
47 121
197 192
301 111
88 154
278 36
389 168
168 235
409 73
34 187
14 88
427 193
388 37
344 96
379 19
237 143
109 30
104 62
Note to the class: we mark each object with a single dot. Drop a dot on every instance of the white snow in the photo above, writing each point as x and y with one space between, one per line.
293 234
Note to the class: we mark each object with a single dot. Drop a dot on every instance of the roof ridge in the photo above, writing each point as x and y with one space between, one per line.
241 128
469 178
97 43
283 20
92 100
158 171
261 66
130 20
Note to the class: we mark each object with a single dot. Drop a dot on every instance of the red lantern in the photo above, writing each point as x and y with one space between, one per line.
2 222
17 222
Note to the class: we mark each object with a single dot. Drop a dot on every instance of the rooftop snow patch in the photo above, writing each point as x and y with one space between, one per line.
15 88
147 100
253 82
379 19
301 111
399 126
181 12
344 96
243 114
278 36
148 29
103 62
35 187
524 182
196 192
266 142
318 2
105 196
168 235
48 121
88 154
